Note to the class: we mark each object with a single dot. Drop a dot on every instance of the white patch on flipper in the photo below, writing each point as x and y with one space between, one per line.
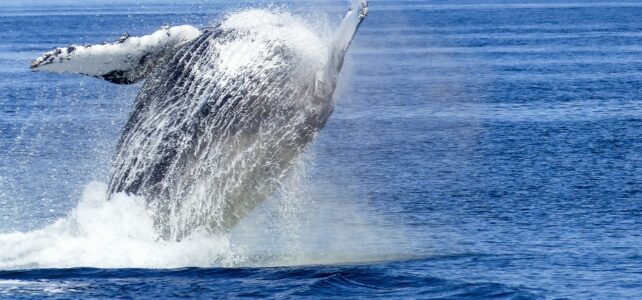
129 57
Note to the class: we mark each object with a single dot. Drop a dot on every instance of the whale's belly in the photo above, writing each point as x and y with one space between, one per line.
215 128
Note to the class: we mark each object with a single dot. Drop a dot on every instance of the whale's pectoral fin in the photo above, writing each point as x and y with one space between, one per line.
349 25
126 61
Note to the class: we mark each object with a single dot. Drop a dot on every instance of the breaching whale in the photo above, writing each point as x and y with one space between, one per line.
223 111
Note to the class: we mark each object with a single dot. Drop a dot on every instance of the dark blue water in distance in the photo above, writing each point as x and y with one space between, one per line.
492 148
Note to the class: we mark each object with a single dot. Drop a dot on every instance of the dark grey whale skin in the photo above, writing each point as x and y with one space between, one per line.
277 116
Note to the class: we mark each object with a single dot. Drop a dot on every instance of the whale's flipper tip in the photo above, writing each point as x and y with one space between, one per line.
125 61
347 29
363 9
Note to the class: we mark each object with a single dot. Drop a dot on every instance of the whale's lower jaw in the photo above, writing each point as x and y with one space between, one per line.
215 130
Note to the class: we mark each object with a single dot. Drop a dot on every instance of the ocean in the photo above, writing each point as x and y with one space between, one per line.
478 149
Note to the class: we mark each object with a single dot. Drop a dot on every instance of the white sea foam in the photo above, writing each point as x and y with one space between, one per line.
35 288
109 234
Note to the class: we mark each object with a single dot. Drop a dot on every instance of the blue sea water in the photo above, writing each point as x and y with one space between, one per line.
478 149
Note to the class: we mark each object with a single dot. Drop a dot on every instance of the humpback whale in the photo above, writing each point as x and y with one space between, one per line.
223 111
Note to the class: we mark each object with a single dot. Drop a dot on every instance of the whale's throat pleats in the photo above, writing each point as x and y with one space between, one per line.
223 112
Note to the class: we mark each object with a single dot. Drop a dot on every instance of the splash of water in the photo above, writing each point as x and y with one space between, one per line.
109 234
294 227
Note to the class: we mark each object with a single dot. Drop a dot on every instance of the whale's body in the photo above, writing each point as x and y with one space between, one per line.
222 114
233 130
